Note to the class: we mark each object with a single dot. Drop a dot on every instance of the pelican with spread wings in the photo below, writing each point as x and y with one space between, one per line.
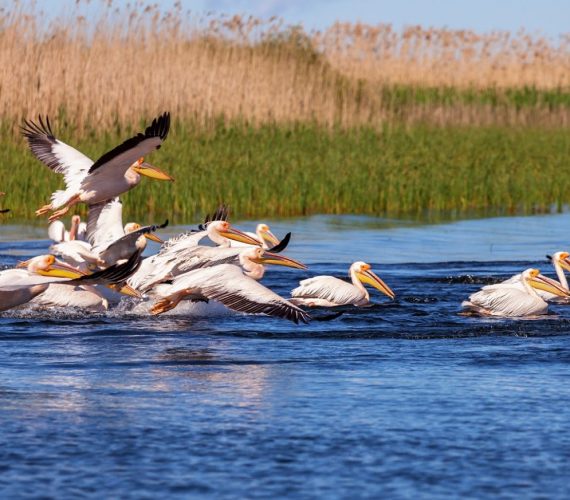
116 172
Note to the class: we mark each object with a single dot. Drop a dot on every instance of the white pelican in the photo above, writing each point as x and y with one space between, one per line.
92 182
230 285
515 298
58 233
263 235
327 291
179 249
110 241
63 285
561 262
19 286
251 260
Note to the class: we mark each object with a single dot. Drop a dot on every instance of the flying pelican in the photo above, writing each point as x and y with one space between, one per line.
251 260
179 249
514 299
327 291
230 285
92 182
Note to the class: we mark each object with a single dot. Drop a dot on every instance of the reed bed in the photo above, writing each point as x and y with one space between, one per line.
276 171
111 70
278 121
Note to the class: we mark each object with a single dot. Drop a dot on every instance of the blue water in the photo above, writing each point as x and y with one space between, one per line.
401 400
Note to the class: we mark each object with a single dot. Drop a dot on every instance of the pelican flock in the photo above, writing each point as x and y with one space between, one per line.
97 264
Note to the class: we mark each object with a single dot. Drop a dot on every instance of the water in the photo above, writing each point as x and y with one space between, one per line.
400 399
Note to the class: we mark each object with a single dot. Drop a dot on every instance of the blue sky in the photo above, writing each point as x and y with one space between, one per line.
550 17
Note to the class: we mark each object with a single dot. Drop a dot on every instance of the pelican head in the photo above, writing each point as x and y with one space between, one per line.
364 273
540 282
220 231
266 236
48 265
133 226
261 256
143 168
563 259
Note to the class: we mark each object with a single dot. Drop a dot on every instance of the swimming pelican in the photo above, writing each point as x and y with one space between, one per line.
230 285
19 286
92 182
515 298
44 271
327 291
561 262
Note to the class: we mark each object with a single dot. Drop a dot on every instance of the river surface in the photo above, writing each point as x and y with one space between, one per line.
403 399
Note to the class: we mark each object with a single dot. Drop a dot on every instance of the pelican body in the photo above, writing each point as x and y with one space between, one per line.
514 298
230 285
328 291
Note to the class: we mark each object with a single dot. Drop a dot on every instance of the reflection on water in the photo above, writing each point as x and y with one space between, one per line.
228 406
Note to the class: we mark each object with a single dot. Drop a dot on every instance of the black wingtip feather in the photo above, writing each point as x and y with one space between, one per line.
221 213
282 245
159 127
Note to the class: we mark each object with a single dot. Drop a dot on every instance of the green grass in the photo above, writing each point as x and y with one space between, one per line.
398 97
303 169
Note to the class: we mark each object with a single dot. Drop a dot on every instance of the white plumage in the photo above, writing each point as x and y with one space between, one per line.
517 297
229 285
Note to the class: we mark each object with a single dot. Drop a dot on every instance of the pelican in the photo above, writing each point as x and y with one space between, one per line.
327 291
515 298
263 235
230 285
19 286
110 241
179 249
93 182
251 260
561 262
58 233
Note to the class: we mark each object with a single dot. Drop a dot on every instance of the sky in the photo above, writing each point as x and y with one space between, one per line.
548 17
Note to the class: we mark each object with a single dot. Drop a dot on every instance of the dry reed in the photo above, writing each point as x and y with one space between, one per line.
130 64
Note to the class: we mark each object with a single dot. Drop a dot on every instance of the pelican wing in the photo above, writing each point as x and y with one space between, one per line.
117 161
328 288
124 247
55 154
105 223
77 253
181 242
227 284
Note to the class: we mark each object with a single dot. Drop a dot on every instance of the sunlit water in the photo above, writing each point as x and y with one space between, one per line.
401 399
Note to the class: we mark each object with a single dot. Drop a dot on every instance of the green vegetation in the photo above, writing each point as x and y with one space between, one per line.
306 169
